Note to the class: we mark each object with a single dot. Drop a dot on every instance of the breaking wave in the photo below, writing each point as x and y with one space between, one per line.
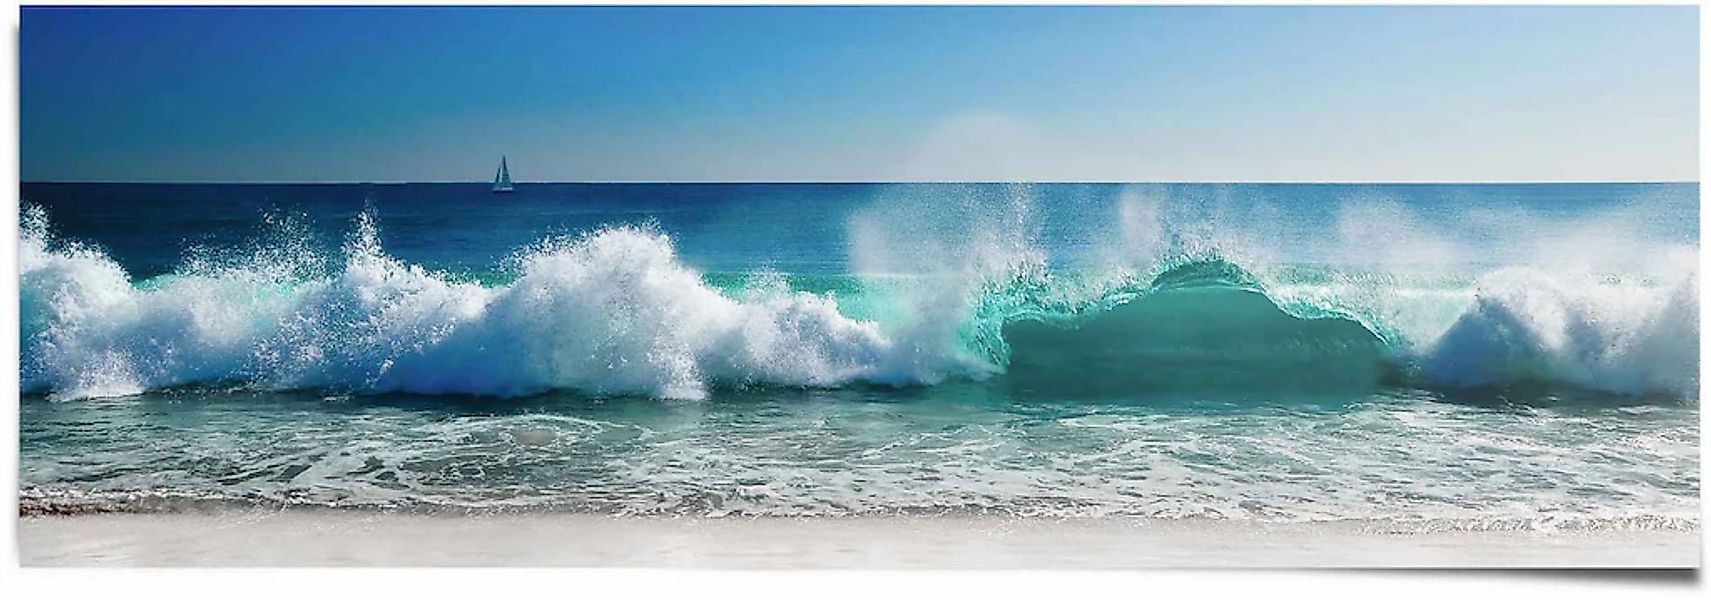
615 312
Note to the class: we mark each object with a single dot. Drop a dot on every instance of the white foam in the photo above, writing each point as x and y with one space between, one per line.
89 332
1527 326
616 312
964 246
613 312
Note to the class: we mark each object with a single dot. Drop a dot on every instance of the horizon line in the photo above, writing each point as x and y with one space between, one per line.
878 182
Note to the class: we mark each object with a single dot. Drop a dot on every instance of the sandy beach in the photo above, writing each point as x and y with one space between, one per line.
336 538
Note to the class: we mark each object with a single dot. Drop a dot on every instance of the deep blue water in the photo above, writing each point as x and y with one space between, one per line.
797 228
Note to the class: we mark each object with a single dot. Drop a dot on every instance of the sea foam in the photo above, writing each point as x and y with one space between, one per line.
615 311
1525 326
611 312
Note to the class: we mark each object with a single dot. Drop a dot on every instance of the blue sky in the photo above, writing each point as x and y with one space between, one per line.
864 93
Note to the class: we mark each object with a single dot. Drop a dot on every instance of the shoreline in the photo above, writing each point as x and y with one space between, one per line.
353 538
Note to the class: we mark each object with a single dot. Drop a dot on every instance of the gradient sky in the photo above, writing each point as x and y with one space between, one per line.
874 93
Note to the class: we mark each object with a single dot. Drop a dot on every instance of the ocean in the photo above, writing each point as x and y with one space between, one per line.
1516 356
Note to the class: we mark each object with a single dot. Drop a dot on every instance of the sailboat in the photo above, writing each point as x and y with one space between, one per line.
502 180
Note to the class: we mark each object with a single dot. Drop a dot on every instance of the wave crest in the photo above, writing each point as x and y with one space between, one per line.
616 312
1524 327
612 312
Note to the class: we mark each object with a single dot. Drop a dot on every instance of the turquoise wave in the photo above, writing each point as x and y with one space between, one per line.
1200 325
616 312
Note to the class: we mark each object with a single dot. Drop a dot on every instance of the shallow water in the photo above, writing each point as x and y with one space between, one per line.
960 448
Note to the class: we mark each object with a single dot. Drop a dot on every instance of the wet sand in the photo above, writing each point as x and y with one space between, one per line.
357 538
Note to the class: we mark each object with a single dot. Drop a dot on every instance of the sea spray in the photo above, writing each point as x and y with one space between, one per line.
350 332
963 248
611 312
615 311
1526 327
88 332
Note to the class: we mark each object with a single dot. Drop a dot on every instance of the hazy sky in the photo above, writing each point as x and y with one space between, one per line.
709 94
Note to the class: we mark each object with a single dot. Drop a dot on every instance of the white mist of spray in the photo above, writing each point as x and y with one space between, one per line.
950 247
610 312
1158 225
1594 300
1470 295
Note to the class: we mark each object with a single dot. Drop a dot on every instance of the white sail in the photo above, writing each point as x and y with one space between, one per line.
502 180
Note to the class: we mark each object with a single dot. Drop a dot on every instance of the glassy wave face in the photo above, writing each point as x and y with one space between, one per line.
836 349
